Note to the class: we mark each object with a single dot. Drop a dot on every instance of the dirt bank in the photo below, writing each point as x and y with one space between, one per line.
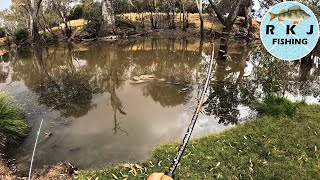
5 172
58 171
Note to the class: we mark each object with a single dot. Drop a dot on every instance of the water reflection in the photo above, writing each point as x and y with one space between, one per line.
247 76
167 94
225 98
98 110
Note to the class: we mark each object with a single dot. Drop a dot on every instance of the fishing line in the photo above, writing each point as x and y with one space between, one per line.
170 175
34 149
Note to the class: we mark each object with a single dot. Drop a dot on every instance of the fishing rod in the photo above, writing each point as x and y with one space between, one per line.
170 175
34 149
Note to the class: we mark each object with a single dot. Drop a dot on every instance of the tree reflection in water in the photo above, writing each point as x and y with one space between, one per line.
224 99
69 93
167 94
112 82
62 88
270 76
53 75
172 61
66 90
226 91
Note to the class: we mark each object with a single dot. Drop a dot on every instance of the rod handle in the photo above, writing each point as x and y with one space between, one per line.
165 177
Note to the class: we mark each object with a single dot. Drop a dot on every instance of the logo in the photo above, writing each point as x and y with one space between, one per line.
289 31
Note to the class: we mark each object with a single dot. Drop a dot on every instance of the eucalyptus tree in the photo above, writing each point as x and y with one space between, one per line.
232 12
200 10
108 25
63 8
32 8
10 20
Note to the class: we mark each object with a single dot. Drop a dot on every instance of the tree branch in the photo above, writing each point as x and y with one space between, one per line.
219 15
233 14
25 7
38 6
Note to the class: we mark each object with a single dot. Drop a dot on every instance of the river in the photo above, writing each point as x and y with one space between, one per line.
98 109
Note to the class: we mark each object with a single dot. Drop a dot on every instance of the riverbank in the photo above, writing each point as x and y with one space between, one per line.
276 147
12 130
129 27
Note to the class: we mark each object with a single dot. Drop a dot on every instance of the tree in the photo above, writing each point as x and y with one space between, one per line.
199 5
108 25
237 6
17 13
63 9
9 21
32 7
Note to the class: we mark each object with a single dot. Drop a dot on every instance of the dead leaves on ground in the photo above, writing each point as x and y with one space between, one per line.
134 169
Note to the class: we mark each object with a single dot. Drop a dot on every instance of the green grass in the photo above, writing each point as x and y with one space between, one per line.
12 128
276 106
270 147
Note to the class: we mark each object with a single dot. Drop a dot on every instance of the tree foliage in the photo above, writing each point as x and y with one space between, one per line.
21 35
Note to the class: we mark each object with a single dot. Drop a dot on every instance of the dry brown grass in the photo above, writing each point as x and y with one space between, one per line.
74 23
209 22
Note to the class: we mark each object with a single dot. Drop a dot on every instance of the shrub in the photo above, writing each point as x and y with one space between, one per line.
276 106
76 13
2 32
94 17
12 128
21 35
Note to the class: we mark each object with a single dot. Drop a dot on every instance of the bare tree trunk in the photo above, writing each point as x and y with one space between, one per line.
228 24
173 9
31 22
233 15
35 30
199 5
248 18
33 14
68 29
219 15
201 26
108 25
142 19
307 60
184 27
152 20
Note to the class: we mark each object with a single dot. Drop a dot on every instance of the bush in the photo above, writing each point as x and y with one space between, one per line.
76 13
276 106
12 128
21 35
2 32
94 17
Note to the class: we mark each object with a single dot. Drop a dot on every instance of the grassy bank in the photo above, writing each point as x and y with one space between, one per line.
12 127
270 147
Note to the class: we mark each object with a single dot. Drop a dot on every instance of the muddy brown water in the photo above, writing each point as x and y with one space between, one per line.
97 114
